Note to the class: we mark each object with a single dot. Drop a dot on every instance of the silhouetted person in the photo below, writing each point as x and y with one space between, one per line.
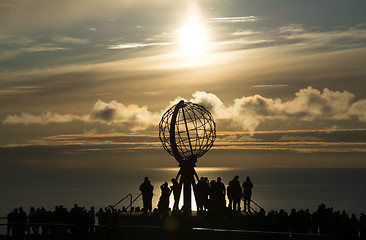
176 188
362 223
100 215
23 219
38 216
217 194
205 193
247 196
234 193
44 218
12 218
147 194
91 216
213 196
229 192
163 205
199 192
220 188
32 221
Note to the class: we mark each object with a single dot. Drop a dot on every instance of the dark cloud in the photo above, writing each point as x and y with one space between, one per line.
106 113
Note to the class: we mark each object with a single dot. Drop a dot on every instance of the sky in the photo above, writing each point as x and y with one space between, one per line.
84 84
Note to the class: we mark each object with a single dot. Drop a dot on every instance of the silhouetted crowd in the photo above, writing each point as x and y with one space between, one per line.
324 221
212 212
60 222
209 195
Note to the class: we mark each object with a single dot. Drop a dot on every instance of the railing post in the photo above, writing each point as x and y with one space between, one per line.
130 204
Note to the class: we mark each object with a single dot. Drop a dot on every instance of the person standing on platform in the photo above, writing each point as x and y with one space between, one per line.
234 193
147 194
163 205
221 191
176 188
247 196
205 192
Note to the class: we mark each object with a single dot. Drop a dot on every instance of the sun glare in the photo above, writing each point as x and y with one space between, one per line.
193 37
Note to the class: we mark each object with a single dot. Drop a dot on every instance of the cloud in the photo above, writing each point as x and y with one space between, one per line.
42 119
309 104
12 46
236 138
269 85
292 28
246 113
134 45
72 40
210 101
288 138
235 19
359 109
352 37
20 90
245 33
133 116
304 37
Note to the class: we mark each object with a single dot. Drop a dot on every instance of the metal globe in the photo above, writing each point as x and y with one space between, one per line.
195 130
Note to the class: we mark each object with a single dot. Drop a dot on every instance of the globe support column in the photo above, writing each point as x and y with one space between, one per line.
188 174
186 171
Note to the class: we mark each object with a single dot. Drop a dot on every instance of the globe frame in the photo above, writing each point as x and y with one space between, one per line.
194 133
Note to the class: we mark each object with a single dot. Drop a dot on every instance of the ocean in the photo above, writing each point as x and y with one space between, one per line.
275 188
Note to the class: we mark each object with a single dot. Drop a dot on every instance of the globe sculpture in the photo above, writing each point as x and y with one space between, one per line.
187 131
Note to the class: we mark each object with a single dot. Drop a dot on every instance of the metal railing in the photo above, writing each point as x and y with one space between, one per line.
133 200
256 205
251 208
128 195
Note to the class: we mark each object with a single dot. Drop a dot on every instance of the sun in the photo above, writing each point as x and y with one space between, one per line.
193 38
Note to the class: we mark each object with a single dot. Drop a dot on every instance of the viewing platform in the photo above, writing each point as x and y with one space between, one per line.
175 225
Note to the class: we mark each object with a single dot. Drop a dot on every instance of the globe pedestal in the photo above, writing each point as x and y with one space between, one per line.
187 175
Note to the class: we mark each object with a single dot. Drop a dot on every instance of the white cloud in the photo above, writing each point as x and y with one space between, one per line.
246 113
72 40
134 45
210 101
42 119
292 28
235 19
270 86
245 33
359 109
309 104
132 116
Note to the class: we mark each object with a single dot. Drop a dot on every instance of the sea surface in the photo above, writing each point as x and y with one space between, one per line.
342 189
